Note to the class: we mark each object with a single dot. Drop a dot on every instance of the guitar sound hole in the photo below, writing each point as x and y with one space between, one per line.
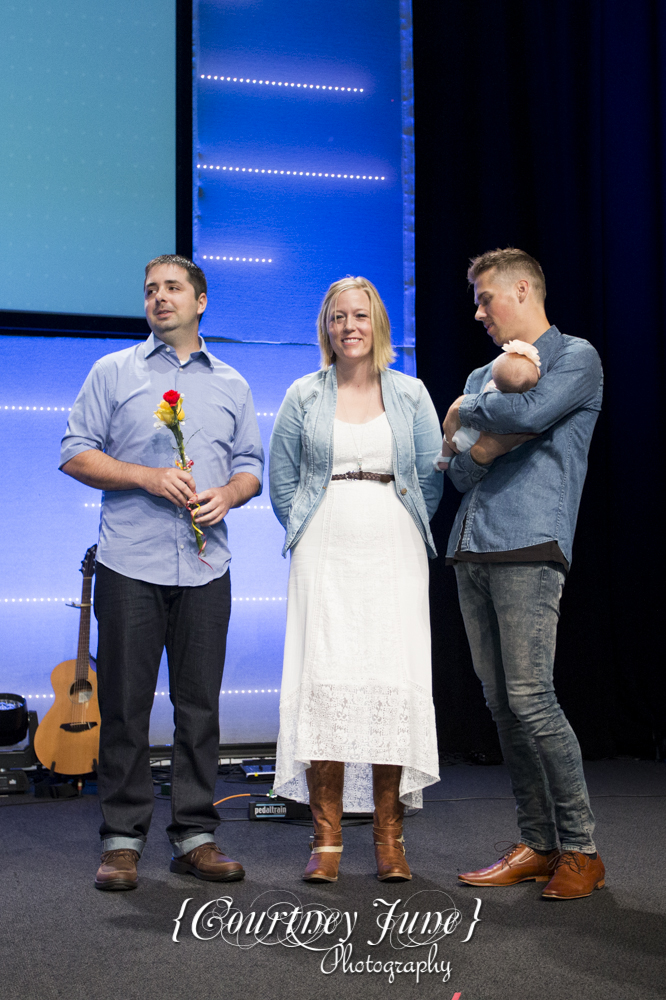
80 692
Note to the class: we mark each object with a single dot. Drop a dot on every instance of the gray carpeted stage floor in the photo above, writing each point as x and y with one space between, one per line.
62 938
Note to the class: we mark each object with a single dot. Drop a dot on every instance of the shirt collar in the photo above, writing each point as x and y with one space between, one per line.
547 337
153 344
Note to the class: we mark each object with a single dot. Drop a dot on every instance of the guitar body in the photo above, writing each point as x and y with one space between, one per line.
67 738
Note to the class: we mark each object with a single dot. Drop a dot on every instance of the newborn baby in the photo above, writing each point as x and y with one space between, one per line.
517 370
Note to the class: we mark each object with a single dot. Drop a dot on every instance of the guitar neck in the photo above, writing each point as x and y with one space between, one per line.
83 653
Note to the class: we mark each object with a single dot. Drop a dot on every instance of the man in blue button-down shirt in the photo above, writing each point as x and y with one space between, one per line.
152 589
511 547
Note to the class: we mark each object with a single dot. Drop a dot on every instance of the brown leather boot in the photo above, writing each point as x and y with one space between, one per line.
325 782
387 828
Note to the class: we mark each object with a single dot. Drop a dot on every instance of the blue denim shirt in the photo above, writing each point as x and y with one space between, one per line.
531 495
301 450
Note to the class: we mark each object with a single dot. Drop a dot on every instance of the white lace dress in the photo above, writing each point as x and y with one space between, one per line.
356 683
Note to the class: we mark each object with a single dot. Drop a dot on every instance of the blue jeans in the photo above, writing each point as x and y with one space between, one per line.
511 611
136 620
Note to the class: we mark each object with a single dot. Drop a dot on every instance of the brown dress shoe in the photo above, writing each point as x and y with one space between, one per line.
117 870
519 864
575 875
325 780
208 863
387 824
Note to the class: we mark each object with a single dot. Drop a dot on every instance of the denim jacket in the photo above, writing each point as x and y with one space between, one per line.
301 450
532 494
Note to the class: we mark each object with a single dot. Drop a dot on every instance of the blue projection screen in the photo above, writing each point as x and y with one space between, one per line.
303 173
88 173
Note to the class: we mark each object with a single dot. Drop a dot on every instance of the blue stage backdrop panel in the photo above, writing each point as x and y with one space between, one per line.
87 176
302 161
49 520
306 231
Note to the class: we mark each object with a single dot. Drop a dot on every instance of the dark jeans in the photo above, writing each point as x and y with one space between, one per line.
511 611
136 620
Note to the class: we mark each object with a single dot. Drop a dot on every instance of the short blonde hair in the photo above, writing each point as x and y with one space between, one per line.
382 351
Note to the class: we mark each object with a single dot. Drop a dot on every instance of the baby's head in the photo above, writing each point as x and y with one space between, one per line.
518 369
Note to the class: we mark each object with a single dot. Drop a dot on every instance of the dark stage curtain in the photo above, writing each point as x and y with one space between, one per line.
540 125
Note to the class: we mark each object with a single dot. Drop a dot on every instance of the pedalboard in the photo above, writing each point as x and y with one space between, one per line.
277 808
258 770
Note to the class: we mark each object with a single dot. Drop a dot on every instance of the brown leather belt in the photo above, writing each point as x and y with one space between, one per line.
376 477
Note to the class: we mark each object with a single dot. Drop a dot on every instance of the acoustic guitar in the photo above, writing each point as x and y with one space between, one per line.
67 738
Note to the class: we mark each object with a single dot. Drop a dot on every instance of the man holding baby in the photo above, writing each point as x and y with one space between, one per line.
517 450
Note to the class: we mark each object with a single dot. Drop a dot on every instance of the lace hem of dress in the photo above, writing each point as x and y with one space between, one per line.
360 726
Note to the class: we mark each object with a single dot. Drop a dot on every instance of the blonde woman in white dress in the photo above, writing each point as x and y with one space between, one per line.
353 484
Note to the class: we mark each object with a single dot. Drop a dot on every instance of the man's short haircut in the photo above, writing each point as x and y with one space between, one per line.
511 261
195 275
382 352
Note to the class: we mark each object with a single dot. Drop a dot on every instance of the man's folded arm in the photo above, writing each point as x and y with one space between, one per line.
464 472
572 382
94 468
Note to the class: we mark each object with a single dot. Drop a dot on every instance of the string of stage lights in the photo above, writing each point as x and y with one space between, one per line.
72 600
321 87
165 693
247 506
66 409
250 260
332 175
